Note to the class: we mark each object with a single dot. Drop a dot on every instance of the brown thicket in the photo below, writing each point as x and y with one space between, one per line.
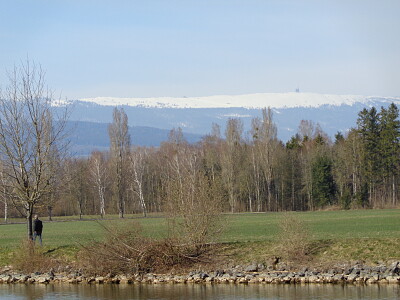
126 250
29 258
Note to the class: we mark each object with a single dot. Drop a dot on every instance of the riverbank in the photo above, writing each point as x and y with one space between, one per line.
251 274
365 241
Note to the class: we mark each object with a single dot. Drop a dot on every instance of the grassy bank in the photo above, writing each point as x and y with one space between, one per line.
370 235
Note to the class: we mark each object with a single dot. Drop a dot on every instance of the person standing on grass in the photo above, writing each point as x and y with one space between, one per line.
37 229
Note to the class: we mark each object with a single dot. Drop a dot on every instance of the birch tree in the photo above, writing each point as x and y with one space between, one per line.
99 175
137 162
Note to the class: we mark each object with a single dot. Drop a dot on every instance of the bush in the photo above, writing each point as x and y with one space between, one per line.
29 258
193 208
126 251
293 238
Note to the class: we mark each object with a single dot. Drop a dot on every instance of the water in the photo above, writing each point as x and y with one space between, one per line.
196 292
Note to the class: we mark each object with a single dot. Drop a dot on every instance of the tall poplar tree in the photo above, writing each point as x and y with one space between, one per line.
120 144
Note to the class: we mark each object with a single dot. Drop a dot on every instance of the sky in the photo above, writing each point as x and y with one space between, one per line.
190 48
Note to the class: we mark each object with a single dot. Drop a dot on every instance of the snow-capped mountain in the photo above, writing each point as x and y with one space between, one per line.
195 115
250 101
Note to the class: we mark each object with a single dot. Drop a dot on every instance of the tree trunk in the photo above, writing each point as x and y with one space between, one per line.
5 211
394 190
50 212
102 202
29 223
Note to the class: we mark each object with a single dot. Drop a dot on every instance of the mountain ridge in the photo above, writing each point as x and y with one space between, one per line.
338 115
250 101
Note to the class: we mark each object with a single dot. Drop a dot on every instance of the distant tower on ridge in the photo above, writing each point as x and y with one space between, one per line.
297 90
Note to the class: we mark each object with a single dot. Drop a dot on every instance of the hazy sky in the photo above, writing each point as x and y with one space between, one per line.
198 48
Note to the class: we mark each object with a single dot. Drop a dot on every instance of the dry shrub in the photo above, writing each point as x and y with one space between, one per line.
193 207
125 250
29 258
294 238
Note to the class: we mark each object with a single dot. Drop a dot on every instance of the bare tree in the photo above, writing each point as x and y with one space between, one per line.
256 126
99 175
32 137
120 144
231 160
192 199
137 167
267 148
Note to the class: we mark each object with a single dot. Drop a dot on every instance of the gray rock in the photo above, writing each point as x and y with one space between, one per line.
99 279
356 271
251 268
351 277
394 265
21 278
197 277
338 278
395 268
90 280
5 278
382 269
249 277
43 279
348 271
313 279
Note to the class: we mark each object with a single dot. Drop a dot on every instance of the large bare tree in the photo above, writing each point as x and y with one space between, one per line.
32 139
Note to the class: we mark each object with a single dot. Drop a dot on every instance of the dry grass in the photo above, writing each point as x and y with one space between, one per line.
29 258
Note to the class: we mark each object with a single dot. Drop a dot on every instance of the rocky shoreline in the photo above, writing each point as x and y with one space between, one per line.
252 274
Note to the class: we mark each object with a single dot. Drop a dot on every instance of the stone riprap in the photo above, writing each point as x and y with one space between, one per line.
252 274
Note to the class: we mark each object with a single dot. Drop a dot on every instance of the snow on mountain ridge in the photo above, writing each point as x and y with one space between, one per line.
251 101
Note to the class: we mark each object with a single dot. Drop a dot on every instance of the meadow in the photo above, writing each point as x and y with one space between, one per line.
369 235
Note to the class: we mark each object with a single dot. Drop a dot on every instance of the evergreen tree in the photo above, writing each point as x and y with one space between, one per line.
390 147
323 184
369 131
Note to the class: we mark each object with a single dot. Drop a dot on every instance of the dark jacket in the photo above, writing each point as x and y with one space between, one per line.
37 226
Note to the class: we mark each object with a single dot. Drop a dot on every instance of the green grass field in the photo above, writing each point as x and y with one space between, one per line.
352 234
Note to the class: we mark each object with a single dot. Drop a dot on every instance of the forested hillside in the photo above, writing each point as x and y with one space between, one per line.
244 171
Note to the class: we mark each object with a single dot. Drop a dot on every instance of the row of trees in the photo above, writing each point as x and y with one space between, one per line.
253 172
234 171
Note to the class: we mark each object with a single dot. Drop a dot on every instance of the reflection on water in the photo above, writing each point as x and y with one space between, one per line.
196 292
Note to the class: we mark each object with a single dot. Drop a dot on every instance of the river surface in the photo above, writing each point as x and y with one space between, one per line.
196 292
